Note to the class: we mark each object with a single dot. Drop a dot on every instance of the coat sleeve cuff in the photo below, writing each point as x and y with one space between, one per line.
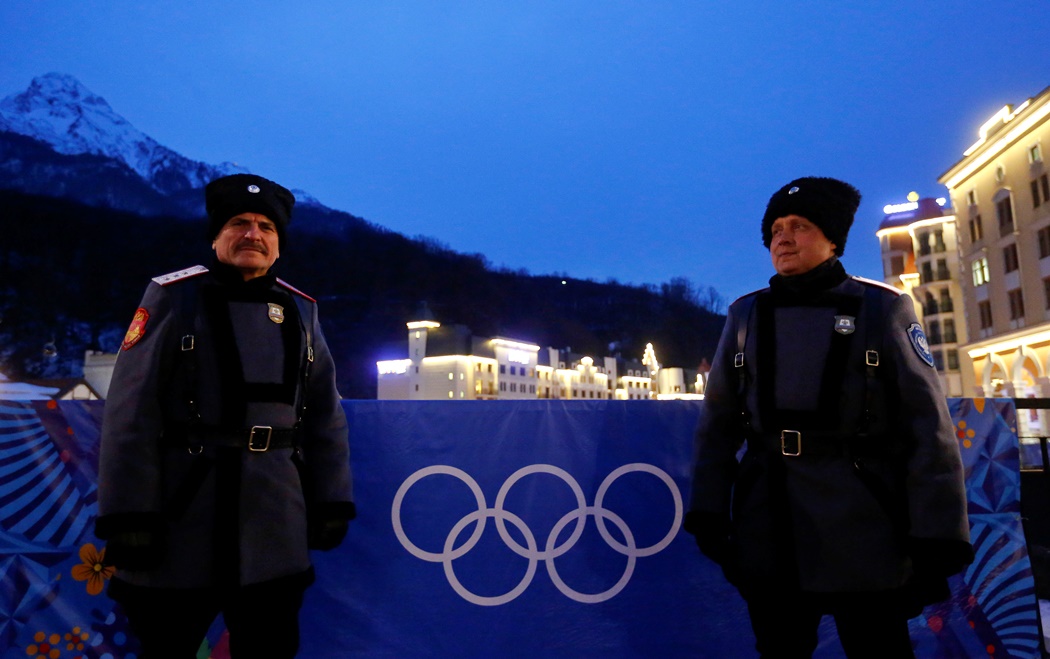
334 510
108 526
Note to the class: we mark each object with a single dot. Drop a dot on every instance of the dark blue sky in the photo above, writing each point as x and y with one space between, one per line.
631 140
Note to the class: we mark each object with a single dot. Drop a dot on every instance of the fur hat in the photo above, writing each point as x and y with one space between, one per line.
826 202
229 196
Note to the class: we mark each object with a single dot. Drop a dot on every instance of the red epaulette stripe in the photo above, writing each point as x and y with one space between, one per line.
294 289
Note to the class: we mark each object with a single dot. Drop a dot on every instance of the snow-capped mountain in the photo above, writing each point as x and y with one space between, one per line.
60 139
60 111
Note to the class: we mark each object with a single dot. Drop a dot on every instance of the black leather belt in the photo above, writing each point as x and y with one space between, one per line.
257 439
813 443
802 443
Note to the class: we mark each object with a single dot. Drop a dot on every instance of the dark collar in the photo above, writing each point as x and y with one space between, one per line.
825 276
228 275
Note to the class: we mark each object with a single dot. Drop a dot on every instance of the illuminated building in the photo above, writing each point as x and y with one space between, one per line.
447 362
920 257
1002 196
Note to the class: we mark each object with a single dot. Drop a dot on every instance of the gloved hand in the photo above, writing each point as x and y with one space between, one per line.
942 557
711 532
134 541
135 550
933 561
327 523
326 534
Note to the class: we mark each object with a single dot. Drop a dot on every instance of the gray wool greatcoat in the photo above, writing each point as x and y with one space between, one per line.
877 461
160 465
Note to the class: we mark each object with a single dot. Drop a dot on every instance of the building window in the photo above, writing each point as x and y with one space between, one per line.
1005 212
985 311
953 360
946 301
976 230
933 333
923 238
1040 190
1044 242
980 272
942 270
1010 258
513 387
938 360
1035 153
896 265
938 241
949 330
1016 304
502 368
971 197
1046 291
1000 173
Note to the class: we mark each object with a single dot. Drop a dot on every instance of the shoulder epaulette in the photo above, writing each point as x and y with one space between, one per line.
294 289
173 277
872 282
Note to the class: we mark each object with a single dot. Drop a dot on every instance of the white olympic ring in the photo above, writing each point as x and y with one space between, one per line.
531 550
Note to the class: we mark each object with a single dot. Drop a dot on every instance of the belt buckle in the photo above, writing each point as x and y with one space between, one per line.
252 442
788 435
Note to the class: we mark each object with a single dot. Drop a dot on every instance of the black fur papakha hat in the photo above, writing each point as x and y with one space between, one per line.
826 202
229 196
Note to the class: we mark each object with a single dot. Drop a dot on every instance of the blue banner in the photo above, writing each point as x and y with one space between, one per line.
531 528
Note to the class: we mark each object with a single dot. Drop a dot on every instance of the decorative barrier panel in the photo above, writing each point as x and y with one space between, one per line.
532 528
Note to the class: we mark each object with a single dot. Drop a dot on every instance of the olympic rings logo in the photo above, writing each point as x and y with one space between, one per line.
531 550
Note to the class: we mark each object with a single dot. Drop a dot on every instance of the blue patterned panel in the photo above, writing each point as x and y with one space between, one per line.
44 497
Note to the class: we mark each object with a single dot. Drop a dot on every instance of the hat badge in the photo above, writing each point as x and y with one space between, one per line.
793 189
254 189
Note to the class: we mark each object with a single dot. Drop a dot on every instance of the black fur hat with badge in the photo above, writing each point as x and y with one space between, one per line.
826 202
232 195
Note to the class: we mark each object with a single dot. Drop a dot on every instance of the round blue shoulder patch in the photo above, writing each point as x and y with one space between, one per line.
919 342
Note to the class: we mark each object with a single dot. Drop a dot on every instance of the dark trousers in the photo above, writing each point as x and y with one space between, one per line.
869 625
170 623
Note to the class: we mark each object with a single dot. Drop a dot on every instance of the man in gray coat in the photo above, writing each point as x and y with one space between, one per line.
224 451
849 499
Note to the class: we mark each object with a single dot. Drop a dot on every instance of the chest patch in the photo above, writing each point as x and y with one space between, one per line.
919 342
276 313
845 324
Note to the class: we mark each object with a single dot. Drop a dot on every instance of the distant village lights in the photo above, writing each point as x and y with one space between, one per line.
394 366
910 205
515 345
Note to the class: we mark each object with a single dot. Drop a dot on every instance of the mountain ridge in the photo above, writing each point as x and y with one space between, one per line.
88 223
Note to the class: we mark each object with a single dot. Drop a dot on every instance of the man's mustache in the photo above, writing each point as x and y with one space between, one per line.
253 245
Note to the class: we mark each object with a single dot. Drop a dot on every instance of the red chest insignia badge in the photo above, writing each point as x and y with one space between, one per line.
137 329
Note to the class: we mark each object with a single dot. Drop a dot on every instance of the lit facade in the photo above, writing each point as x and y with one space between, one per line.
920 257
1001 193
449 363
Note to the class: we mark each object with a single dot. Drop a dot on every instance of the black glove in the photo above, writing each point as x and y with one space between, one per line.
134 541
327 523
940 557
933 561
711 532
